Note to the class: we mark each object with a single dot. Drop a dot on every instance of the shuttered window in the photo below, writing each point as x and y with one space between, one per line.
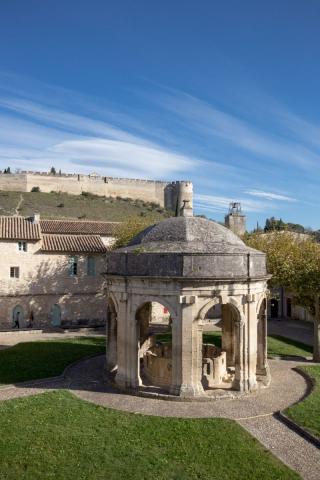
73 266
91 266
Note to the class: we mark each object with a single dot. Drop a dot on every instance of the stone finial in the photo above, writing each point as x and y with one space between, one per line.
186 210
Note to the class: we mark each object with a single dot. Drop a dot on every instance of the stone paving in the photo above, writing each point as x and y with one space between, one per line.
254 412
294 329
10 338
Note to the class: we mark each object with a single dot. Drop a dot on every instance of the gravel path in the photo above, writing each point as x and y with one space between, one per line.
254 412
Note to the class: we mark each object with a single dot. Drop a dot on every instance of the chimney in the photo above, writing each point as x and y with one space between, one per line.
35 218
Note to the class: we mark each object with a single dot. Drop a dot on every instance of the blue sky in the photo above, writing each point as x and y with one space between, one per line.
223 93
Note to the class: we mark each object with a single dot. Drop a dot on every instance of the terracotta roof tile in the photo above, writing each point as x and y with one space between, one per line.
72 244
18 228
79 227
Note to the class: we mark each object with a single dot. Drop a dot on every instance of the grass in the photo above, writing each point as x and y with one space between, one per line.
307 412
277 345
33 360
63 205
72 439
282 346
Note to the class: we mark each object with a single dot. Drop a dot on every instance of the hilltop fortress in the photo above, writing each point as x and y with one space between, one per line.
167 194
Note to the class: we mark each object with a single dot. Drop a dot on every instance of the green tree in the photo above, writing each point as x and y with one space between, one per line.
130 228
53 171
295 265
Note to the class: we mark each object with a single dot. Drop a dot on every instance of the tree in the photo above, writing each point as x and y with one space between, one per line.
295 265
130 228
53 171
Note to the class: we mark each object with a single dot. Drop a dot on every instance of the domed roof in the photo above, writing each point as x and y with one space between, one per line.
187 234
189 248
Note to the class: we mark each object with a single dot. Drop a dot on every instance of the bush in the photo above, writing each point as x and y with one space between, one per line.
60 205
35 189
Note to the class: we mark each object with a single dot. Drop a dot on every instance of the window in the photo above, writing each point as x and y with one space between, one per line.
73 266
91 266
22 246
14 272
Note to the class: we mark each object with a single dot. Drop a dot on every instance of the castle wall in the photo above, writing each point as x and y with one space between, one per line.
166 194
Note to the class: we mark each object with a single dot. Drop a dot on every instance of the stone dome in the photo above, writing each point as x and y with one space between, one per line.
189 247
187 234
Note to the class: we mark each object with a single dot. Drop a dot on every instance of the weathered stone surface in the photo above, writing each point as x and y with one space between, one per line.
188 247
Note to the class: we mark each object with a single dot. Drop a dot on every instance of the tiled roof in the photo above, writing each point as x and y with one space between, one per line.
72 244
18 228
79 227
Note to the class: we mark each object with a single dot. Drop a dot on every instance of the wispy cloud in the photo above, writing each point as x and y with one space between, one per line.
32 132
216 203
270 195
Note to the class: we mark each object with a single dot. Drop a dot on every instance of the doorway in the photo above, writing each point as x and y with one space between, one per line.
56 316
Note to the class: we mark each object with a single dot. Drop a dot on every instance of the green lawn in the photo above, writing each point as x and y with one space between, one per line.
277 345
56 436
282 346
31 360
307 412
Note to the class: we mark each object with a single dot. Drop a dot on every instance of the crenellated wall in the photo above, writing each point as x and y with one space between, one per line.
166 194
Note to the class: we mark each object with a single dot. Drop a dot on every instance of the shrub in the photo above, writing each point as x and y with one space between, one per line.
35 189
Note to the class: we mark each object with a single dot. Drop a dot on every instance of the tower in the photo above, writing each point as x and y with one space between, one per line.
185 199
235 220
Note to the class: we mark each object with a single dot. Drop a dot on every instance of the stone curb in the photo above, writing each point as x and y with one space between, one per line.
41 381
298 429
291 423
292 358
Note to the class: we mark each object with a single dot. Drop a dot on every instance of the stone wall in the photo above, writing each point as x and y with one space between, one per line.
166 194
45 281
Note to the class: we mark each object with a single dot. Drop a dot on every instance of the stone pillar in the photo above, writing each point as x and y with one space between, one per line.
122 377
187 351
251 358
228 334
112 341
239 378
262 353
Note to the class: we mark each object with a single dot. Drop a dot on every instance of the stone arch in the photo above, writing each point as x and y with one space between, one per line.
205 308
112 328
232 341
262 337
154 360
139 302
260 301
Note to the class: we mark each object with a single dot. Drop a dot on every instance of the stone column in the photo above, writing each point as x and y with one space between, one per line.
122 377
239 378
133 347
228 334
262 353
187 351
112 341
251 357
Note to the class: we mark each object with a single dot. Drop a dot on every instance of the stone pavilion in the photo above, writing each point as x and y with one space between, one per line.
200 273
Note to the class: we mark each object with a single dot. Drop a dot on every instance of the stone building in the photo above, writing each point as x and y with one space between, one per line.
235 220
190 266
50 272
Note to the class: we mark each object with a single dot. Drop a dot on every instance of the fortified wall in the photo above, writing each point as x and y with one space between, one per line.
167 194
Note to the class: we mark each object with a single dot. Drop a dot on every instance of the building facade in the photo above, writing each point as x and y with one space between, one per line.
50 272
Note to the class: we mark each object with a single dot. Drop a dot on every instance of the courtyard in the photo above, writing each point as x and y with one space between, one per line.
144 437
